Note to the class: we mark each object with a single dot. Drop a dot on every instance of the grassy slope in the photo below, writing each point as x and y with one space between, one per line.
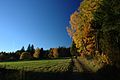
58 65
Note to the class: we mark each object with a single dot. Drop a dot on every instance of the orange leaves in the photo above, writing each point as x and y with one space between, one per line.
81 31
70 31
86 31
75 20
37 53
90 47
54 52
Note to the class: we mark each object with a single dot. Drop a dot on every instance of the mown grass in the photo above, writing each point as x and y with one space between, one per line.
58 65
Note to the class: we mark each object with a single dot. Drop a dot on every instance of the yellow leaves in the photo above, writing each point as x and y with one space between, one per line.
81 31
74 20
25 55
102 58
37 53
54 53
105 58
85 31
77 39
90 47
70 31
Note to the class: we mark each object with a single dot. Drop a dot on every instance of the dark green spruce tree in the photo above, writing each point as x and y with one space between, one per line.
73 49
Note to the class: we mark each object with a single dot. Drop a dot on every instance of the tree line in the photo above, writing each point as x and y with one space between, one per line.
95 30
32 54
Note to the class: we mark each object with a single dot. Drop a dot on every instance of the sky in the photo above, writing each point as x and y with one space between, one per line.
39 22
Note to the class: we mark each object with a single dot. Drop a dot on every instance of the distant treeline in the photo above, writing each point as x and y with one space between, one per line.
31 53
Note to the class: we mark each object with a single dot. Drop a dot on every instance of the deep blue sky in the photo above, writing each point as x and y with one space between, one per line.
39 22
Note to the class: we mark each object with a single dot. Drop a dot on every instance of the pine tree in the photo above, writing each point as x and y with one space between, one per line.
29 48
73 49
32 50
22 49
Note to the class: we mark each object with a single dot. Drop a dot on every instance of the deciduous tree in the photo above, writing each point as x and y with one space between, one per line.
25 56
95 28
37 53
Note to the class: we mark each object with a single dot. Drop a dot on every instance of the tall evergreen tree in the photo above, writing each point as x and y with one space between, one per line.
29 48
32 49
73 49
22 49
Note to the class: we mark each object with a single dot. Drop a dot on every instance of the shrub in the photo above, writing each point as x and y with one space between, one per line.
25 55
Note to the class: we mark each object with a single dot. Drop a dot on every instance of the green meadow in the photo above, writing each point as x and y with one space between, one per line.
57 65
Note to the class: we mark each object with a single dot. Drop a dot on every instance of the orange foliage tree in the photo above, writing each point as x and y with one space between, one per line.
95 28
81 30
37 53
54 53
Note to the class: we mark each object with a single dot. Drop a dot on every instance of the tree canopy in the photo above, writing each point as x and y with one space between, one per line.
94 28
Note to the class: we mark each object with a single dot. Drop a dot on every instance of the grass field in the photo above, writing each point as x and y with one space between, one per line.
58 65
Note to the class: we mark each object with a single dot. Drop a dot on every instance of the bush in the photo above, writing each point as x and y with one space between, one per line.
2 57
25 55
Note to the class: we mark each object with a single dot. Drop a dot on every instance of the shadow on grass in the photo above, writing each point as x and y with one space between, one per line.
109 72
7 74
106 73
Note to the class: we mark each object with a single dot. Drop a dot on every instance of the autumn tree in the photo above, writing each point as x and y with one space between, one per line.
95 28
81 31
25 56
50 55
37 53
54 53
